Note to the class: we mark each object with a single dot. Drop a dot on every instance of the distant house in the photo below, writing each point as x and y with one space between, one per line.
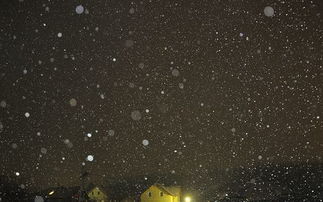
97 194
160 193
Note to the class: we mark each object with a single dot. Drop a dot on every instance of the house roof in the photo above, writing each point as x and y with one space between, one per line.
90 187
173 191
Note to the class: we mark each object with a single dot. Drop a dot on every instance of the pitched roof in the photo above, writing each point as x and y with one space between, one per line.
173 191
92 186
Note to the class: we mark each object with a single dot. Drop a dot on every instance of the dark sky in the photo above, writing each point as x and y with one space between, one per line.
182 87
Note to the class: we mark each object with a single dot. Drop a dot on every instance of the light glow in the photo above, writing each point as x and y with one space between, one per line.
188 199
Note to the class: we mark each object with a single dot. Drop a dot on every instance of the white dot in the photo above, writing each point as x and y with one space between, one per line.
241 34
181 85
269 11
89 135
25 71
175 72
259 157
43 150
141 65
89 158
136 115
131 85
131 10
59 35
233 130
111 132
27 115
147 110
14 145
3 104
17 173
79 9
114 59
145 142
73 102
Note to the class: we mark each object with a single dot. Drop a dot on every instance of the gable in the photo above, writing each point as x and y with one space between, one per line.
165 190
159 189
96 192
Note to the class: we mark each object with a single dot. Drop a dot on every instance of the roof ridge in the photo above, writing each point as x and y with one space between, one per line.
164 188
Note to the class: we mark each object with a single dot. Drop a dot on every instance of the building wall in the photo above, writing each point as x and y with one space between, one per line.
153 194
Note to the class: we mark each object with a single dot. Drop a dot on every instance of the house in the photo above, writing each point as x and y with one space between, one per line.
97 194
161 193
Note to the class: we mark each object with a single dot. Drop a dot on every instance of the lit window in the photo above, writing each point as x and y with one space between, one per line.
161 194
149 194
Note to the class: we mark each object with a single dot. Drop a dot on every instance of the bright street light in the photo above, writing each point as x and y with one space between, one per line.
188 199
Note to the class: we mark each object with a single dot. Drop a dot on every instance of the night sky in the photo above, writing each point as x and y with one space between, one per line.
157 87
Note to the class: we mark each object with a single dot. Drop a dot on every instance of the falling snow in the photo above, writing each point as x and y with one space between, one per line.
136 115
269 11
3 104
43 150
90 158
79 9
73 102
223 99
145 142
